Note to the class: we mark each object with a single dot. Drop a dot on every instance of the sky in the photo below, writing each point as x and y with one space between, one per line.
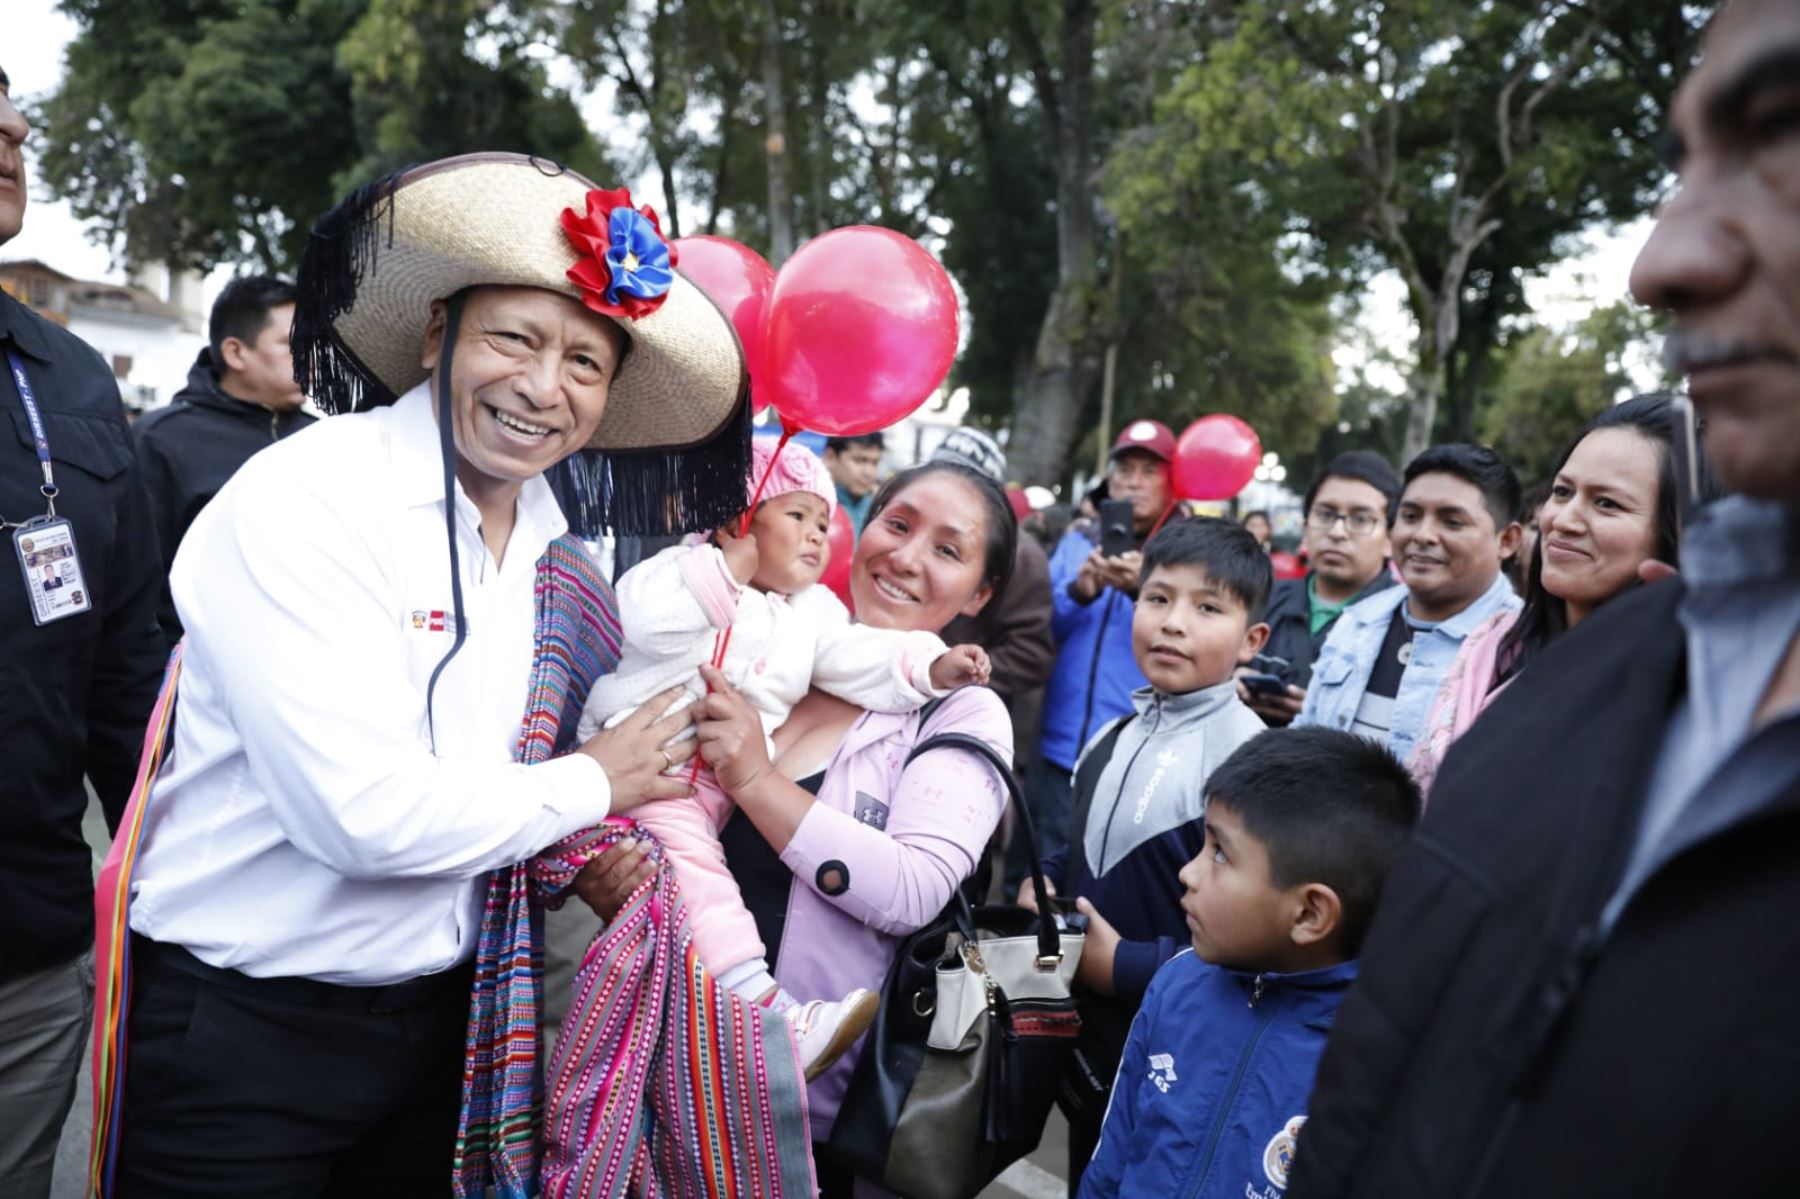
36 33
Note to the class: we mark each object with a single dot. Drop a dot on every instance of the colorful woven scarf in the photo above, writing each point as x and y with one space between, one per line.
496 1137
663 1083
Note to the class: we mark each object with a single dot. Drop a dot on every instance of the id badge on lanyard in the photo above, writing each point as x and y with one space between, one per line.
45 545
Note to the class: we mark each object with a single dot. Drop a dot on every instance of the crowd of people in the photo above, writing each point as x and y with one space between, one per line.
1443 869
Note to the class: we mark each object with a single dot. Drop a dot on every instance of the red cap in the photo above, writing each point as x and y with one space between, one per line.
1020 505
1146 436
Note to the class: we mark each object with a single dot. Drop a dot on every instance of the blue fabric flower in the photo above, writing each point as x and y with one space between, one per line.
636 257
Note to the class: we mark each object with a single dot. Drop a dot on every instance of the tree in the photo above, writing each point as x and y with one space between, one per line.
209 131
1554 381
1449 142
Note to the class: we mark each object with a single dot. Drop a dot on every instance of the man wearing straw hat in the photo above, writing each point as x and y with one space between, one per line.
348 764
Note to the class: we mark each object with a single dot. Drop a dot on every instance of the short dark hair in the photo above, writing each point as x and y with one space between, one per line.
1000 546
1478 466
5 79
1365 466
1329 807
838 445
1253 514
242 310
1225 550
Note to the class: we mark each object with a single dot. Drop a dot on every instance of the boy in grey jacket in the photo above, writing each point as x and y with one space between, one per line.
1140 787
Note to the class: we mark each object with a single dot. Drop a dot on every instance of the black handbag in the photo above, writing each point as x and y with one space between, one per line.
976 1027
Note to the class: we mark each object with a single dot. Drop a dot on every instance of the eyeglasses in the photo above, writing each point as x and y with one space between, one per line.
1324 518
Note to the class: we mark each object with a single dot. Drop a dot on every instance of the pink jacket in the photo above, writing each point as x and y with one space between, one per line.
1465 692
906 840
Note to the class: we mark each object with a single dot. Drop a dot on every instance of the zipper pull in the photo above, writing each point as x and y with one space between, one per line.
1256 990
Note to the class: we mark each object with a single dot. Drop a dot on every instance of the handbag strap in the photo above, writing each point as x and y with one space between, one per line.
1049 937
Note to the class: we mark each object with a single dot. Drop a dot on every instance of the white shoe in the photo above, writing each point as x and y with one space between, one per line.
825 1029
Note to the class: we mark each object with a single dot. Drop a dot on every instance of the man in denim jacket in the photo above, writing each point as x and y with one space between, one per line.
1378 671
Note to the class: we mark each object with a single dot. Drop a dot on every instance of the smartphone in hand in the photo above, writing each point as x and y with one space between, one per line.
1118 533
1264 684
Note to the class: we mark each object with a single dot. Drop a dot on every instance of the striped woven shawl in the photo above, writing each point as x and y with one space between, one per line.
662 1083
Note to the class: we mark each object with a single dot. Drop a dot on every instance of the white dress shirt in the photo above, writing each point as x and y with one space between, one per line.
302 825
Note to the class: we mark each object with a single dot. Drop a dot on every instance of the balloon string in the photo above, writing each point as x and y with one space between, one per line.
722 639
1167 512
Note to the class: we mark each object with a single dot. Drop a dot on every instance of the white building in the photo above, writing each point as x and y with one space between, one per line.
149 331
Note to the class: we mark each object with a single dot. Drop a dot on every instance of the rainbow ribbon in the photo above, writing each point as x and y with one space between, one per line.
112 944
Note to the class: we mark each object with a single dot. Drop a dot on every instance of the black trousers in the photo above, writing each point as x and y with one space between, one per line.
238 1086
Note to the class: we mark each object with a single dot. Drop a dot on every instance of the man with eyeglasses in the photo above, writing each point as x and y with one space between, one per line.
1348 509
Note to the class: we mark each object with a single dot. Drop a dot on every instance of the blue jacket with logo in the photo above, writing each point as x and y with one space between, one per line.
1211 1093
1095 671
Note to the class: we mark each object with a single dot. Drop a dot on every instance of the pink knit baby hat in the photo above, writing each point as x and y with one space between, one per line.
797 469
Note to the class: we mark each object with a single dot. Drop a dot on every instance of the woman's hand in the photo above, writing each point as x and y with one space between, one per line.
731 735
605 883
635 754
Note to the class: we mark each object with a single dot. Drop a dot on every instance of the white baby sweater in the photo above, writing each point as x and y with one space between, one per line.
675 606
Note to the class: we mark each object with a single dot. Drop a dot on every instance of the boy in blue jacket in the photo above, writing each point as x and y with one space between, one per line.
1302 828
1140 787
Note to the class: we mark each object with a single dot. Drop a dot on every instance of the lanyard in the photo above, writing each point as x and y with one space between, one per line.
36 420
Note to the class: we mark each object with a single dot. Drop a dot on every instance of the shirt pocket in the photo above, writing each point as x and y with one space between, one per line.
98 445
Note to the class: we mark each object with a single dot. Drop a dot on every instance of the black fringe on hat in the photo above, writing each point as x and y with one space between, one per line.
341 248
658 493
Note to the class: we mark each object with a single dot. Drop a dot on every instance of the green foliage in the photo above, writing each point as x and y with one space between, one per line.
1555 381
1462 145
201 133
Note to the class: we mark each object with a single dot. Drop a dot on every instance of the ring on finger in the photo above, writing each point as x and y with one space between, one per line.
667 760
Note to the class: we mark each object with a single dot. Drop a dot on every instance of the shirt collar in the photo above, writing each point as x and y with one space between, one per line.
17 325
419 469
1740 540
1479 609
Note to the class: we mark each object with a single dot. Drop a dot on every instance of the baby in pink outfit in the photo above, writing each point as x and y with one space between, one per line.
787 634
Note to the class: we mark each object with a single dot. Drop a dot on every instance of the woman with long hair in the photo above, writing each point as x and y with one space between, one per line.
1613 504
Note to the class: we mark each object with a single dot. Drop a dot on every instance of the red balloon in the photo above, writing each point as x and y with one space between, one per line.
739 281
861 329
840 546
1214 458
1287 566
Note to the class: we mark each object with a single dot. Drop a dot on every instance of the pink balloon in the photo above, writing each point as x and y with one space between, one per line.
1214 457
861 329
840 545
739 281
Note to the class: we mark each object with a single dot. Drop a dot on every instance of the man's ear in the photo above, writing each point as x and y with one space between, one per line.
231 354
1255 637
434 337
1318 912
1510 537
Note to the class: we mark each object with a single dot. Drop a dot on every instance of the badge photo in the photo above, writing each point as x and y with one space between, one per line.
52 570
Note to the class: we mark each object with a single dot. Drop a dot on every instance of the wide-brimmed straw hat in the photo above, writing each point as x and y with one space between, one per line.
671 450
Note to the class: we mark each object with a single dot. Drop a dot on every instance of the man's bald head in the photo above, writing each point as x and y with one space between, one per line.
1724 257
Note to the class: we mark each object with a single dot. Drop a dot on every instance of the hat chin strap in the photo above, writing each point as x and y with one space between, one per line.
453 308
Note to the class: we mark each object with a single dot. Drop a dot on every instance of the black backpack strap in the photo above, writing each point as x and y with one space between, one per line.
1087 780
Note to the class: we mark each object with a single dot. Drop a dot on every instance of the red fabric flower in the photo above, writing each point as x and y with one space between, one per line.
636 281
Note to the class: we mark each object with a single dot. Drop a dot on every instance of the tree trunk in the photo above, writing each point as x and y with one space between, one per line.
1064 365
781 208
